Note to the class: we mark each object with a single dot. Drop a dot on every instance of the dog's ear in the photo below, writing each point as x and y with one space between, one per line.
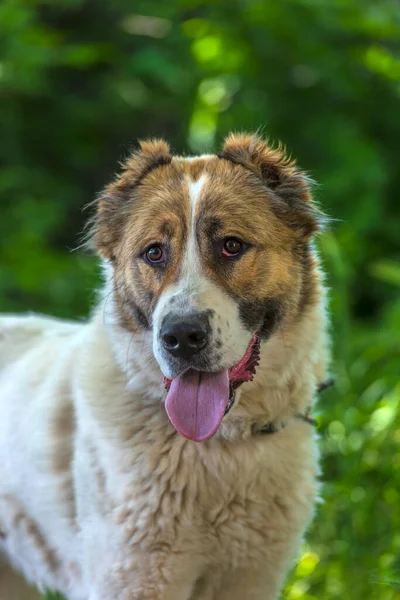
279 173
151 154
114 201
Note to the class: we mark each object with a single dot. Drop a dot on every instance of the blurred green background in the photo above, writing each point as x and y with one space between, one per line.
81 81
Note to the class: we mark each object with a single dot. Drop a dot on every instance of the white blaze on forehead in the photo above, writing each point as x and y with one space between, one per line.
189 284
191 270
195 188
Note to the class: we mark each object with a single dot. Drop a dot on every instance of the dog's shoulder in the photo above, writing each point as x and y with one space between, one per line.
19 333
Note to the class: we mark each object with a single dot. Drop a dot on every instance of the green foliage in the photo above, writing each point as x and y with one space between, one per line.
81 81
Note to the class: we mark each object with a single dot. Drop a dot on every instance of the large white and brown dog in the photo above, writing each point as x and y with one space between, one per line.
163 450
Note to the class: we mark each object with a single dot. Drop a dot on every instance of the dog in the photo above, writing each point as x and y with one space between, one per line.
164 449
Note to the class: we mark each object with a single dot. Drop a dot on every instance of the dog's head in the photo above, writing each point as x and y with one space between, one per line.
212 254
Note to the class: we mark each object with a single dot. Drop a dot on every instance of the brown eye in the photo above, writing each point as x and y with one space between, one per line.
155 254
232 247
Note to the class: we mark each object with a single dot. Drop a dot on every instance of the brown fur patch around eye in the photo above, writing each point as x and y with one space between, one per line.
159 213
113 204
270 271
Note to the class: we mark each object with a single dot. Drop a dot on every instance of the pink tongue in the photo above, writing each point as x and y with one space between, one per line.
196 403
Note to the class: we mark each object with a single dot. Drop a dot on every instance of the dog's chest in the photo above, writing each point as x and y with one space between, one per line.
216 505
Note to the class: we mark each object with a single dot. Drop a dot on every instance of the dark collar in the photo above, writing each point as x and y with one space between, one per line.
275 427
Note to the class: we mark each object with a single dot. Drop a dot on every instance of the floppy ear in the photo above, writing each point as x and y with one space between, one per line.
279 173
114 201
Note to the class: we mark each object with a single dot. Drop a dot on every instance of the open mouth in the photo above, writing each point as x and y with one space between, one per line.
197 401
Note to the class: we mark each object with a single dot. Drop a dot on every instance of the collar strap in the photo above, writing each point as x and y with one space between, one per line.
272 427
324 385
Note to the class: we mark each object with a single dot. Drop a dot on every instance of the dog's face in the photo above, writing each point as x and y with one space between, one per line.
209 253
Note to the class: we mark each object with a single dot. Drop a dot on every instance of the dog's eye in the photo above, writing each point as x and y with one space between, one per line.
155 255
232 247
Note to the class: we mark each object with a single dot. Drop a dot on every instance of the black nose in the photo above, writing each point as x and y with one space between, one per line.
184 338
